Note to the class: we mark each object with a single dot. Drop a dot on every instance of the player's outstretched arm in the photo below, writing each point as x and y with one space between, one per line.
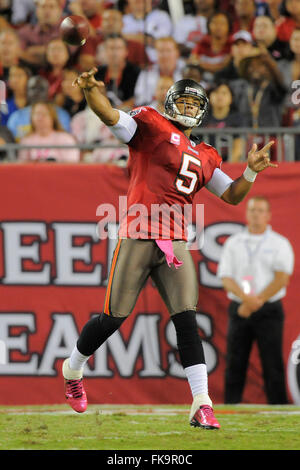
94 92
258 160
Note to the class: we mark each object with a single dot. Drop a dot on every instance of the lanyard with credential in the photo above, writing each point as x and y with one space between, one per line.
248 281
252 253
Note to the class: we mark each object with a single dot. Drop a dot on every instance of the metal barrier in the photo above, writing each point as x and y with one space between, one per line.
285 138
286 148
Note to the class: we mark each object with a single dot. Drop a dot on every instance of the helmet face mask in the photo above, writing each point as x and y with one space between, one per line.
181 89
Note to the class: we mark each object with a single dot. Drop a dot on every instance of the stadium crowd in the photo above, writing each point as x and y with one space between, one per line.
245 53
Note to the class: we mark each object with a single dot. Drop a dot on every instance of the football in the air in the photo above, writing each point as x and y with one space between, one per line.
74 30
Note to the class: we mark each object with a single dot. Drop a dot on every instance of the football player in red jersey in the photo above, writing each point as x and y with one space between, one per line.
167 167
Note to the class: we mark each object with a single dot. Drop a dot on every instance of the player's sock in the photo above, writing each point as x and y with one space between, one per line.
191 354
77 360
96 331
197 378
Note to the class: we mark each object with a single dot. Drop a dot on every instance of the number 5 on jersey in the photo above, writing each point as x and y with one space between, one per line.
184 172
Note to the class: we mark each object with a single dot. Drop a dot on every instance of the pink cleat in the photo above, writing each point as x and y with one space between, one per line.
204 418
75 394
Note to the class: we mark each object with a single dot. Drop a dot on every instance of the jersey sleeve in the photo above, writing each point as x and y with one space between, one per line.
219 182
214 161
125 128
149 126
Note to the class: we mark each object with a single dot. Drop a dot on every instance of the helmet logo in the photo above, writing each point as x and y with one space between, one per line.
190 90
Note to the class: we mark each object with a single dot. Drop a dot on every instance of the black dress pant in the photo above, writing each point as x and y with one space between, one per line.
265 326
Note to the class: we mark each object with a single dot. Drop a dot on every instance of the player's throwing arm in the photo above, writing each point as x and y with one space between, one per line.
94 92
120 123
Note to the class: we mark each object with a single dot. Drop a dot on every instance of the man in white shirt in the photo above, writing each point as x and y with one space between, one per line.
169 64
255 267
142 19
144 24
191 28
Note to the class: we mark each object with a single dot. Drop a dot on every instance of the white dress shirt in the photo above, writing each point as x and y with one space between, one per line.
145 87
190 29
251 260
157 24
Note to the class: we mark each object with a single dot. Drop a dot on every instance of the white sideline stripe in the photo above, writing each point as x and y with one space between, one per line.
161 412
101 412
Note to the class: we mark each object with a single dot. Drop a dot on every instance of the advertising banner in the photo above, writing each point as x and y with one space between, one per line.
53 276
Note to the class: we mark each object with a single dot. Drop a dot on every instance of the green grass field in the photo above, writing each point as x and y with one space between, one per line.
245 427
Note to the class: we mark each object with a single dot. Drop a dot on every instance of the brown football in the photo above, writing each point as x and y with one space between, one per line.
74 30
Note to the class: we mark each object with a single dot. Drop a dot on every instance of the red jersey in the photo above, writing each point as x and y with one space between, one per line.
205 52
285 27
165 168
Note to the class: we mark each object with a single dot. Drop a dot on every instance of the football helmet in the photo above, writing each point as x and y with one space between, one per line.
185 87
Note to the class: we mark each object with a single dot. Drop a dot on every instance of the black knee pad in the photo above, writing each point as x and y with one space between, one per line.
188 340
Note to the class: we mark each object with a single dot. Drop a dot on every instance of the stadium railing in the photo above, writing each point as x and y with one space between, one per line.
286 147
285 140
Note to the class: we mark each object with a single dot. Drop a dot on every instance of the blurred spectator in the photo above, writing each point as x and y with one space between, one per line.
17 82
34 38
191 28
112 23
57 58
296 123
144 24
37 90
46 130
221 115
10 52
89 129
6 137
212 53
273 9
119 75
290 70
194 72
245 11
242 46
5 13
71 97
261 7
142 19
23 12
265 36
163 84
287 24
168 64
89 9
262 101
